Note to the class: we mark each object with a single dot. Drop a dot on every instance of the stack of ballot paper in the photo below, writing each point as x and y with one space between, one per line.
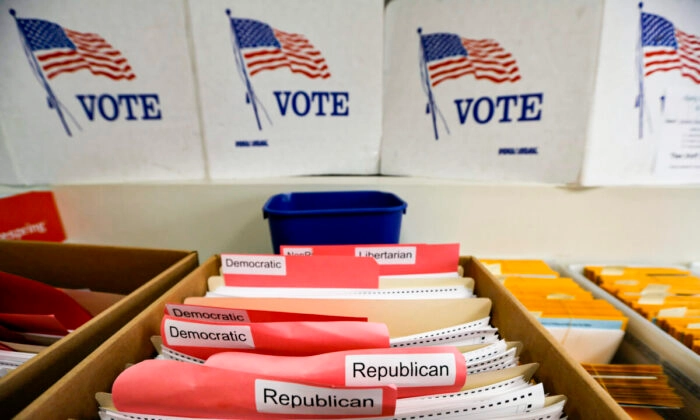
636 385
33 315
667 296
590 329
331 336
646 342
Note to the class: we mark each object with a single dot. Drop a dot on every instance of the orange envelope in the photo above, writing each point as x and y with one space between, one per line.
416 371
170 388
201 339
522 268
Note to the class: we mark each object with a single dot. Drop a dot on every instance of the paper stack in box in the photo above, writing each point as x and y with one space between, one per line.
666 296
333 336
91 291
590 329
640 290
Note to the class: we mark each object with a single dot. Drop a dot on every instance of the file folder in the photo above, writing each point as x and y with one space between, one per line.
402 317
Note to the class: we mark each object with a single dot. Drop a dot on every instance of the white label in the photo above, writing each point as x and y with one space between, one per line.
494 268
270 265
408 370
626 282
207 314
291 398
612 271
652 299
298 251
390 255
560 296
694 326
672 312
183 333
653 289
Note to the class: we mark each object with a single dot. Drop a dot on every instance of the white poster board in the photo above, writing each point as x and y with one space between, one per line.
289 88
97 91
645 122
507 92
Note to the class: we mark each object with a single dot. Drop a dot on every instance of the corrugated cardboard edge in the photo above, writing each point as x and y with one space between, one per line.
20 387
558 371
73 396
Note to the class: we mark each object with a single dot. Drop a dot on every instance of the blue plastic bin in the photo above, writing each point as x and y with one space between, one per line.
334 218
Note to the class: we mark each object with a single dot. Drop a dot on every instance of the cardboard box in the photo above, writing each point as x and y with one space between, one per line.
141 275
645 115
579 91
265 115
488 90
97 92
645 343
74 395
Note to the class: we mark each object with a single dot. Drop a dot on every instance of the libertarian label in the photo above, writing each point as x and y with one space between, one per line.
298 251
394 255
271 265
409 370
291 398
207 314
191 334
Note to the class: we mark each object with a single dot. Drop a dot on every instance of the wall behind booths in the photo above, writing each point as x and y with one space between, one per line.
623 224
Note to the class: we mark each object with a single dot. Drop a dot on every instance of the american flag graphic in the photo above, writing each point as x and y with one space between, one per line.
449 56
60 50
668 48
266 48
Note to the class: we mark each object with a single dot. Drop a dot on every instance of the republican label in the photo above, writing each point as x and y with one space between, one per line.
291 398
408 370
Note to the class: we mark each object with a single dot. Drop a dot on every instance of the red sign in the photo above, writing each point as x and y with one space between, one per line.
31 216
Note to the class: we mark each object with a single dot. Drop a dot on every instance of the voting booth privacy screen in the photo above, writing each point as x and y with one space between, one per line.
558 92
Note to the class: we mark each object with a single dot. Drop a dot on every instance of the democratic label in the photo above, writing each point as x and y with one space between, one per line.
395 255
292 398
407 370
270 265
192 334
206 313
